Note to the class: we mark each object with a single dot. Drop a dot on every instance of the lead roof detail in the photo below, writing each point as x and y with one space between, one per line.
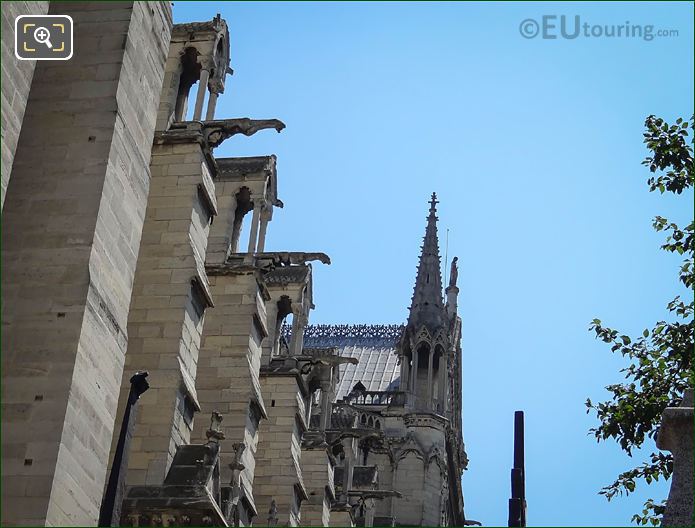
374 346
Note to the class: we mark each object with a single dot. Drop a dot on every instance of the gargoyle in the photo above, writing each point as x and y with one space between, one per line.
374 494
314 440
217 131
288 258
329 361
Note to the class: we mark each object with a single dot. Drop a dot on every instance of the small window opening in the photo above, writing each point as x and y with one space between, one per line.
284 310
190 73
243 206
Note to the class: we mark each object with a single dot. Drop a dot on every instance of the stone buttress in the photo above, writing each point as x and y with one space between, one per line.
71 227
171 288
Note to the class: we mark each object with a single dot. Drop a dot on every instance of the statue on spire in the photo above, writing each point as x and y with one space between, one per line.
453 277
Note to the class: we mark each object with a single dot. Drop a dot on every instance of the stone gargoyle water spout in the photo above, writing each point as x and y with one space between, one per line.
218 130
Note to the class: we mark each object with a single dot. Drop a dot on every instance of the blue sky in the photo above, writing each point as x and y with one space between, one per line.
534 147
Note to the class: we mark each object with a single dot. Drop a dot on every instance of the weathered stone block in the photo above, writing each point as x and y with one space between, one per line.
87 241
676 435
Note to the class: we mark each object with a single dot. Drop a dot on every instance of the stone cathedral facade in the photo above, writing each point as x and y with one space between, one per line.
122 253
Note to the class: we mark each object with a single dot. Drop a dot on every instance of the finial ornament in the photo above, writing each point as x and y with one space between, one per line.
433 204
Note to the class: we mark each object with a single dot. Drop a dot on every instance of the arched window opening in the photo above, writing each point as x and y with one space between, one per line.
285 344
219 59
194 97
284 306
190 73
423 354
243 206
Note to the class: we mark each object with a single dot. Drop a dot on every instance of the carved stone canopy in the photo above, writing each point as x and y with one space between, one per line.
210 39
262 169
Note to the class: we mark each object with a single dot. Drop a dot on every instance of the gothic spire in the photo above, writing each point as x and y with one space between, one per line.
427 306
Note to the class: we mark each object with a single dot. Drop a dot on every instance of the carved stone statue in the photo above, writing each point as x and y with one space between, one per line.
273 514
215 434
454 273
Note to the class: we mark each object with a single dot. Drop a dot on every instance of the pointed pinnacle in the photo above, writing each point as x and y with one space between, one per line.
433 204
426 305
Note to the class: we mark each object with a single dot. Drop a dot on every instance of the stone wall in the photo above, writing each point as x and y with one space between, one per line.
410 475
228 368
278 472
432 488
71 230
384 507
317 472
16 81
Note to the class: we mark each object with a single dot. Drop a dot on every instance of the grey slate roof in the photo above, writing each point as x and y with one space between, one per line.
374 346
377 369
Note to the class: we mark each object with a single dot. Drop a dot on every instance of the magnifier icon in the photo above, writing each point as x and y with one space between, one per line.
42 36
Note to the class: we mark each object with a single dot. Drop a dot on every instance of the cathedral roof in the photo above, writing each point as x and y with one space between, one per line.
377 369
374 346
